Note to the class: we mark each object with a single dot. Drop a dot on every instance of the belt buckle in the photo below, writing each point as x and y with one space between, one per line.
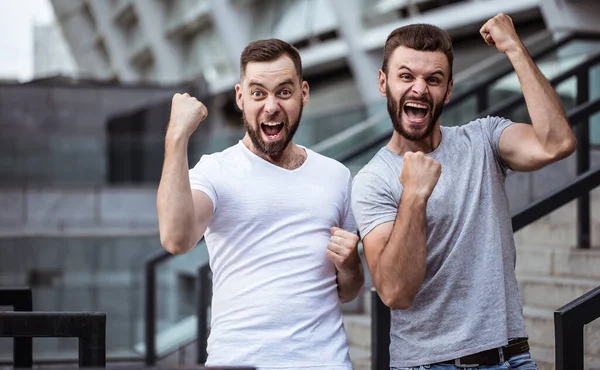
501 355
457 363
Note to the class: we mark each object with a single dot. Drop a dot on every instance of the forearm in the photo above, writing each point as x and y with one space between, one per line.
401 264
174 200
547 114
350 281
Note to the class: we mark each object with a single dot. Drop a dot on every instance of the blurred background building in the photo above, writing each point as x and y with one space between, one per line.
81 144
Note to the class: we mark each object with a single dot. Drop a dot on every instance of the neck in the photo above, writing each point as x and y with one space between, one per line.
400 145
290 158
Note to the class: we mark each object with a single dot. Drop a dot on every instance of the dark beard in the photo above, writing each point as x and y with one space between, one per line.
396 112
272 149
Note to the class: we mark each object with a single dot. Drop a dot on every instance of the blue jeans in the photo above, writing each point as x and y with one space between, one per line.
518 362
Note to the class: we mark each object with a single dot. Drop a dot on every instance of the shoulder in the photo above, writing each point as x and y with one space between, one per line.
217 159
328 165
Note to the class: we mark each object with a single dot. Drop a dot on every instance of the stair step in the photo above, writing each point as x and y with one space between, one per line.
552 292
539 323
555 234
534 259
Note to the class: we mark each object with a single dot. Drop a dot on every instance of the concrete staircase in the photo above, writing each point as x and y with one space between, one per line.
551 272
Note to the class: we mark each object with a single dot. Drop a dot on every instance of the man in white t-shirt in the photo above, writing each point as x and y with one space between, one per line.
276 216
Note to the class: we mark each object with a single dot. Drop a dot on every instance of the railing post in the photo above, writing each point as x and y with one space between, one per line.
569 343
150 317
204 295
582 132
380 333
22 301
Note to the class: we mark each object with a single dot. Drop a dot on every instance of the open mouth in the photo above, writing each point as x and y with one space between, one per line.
272 130
416 112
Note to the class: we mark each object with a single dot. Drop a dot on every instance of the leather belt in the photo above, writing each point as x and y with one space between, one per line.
493 356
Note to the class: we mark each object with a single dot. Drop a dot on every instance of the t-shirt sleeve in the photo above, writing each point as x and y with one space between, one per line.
373 202
348 223
493 128
203 177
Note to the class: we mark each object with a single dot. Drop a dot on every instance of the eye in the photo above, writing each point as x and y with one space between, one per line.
433 81
257 94
285 93
405 77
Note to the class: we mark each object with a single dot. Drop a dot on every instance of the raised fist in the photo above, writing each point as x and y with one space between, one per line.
500 32
186 113
420 174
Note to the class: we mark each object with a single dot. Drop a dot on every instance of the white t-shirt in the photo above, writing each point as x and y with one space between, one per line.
275 302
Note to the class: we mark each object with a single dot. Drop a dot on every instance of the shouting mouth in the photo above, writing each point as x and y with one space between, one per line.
416 112
272 130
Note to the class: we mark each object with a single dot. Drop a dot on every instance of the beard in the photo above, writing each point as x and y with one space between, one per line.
396 112
272 149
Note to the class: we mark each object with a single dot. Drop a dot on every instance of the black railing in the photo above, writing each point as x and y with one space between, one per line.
150 304
20 299
204 294
569 322
89 327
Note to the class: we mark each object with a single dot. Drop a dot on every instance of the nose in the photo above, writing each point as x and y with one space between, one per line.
271 105
419 87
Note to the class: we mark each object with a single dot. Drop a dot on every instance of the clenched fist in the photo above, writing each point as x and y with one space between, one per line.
420 174
186 113
342 249
500 32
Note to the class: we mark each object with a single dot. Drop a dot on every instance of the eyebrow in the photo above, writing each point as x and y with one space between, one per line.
283 83
438 71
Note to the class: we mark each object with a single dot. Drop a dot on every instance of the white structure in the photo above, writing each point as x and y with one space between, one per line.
172 41
51 53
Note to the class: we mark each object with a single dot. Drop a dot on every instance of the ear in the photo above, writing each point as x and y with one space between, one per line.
382 81
238 96
449 91
305 92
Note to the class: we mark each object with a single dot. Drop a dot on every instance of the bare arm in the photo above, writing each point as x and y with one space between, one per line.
396 253
183 214
550 138
350 281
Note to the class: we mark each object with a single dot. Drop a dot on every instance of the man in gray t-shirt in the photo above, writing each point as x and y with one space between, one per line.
433 212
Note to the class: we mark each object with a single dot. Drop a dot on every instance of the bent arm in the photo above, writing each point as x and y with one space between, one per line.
350 280
396 253
183 214
550 138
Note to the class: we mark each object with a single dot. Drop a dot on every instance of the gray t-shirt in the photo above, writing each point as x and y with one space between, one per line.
469 300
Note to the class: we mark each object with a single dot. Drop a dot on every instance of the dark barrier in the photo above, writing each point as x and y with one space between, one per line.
21 300
89 327
204 295
569 321
380 332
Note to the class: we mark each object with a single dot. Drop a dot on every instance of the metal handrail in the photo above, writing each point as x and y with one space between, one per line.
21 299
569 322
88 327
150 304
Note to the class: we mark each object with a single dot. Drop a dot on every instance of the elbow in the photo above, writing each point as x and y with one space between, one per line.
395 298
561 150
174 246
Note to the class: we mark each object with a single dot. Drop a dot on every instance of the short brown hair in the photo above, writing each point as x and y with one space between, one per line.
421 37
269 50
